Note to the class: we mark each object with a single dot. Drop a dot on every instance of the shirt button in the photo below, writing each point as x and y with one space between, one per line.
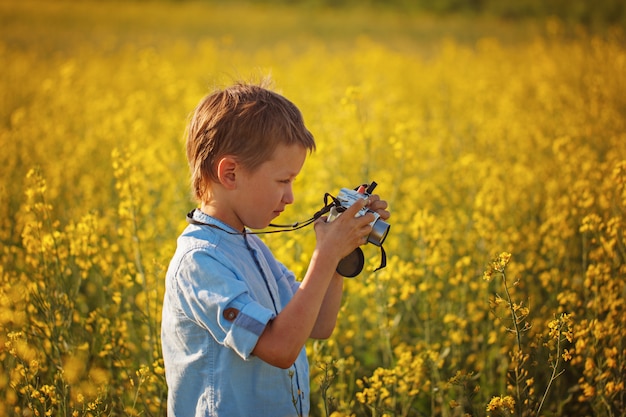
230 314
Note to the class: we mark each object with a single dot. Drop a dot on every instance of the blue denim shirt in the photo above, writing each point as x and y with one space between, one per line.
221 290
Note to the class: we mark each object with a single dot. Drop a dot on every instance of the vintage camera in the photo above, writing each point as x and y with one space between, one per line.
352 265
346 198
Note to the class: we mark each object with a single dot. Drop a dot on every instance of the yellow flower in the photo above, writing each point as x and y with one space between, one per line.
502 403
567 355
503 260
497 265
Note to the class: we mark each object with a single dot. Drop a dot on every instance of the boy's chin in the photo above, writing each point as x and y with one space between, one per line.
258 225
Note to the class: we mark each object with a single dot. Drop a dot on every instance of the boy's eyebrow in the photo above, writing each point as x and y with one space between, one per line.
290 175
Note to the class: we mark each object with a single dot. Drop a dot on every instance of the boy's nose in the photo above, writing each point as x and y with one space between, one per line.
288 197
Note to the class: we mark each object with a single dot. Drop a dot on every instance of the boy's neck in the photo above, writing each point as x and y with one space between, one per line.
213 209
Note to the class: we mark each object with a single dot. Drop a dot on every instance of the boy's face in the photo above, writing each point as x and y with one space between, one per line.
263 194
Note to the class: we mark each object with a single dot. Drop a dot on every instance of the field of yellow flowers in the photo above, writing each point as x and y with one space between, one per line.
503 157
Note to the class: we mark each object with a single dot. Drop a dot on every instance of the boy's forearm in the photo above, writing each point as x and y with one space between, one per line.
284 337
327 317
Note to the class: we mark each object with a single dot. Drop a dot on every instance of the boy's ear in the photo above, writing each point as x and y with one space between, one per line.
226 172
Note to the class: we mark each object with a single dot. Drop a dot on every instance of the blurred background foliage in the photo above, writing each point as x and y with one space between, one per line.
586 12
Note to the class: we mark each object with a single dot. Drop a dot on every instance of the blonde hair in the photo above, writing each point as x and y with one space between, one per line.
245 121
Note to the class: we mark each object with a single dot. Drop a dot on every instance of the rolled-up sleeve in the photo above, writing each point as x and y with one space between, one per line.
246 329
212 295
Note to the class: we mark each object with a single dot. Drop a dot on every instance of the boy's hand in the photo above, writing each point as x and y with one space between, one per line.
335 240
379 206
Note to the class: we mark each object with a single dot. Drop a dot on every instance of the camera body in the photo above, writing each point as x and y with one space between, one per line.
346 198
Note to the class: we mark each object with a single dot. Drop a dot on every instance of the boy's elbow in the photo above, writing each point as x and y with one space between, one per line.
284 364
283 361
278 356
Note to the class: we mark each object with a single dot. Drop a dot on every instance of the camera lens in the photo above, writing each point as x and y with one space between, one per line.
379 232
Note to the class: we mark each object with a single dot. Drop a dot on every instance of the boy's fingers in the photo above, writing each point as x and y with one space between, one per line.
379 206
355 207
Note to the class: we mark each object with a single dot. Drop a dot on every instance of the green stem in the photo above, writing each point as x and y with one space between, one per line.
519 342
554 375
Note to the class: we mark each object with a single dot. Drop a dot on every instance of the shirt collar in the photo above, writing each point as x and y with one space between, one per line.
203 218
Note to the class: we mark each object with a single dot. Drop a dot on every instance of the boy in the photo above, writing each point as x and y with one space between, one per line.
235 320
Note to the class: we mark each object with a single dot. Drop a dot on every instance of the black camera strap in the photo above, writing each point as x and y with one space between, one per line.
383 259
349 267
